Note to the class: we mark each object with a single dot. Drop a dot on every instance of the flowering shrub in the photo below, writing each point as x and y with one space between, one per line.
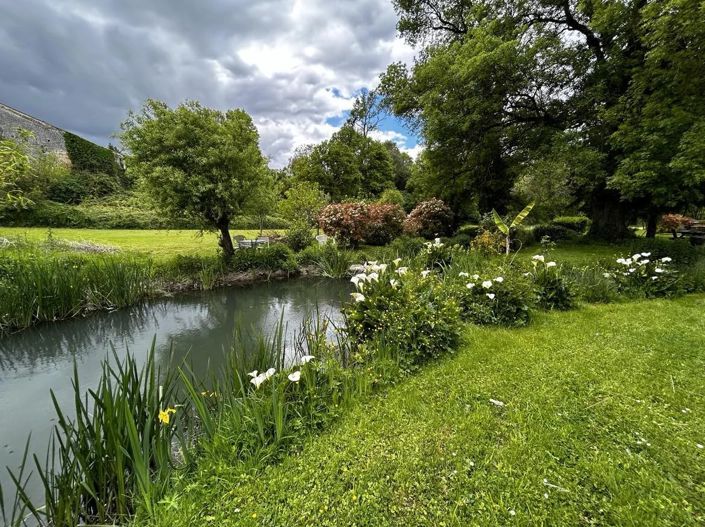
504 300
429 219
437 255
384 223
347 222
402 310
488 242
551 290
672 222
639 274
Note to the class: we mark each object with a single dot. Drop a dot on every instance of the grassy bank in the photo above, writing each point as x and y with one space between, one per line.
602 420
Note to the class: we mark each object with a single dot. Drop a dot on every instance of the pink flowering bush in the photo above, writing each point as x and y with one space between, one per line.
431 218
346 222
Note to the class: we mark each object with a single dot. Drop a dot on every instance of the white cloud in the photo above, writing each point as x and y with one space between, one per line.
291 64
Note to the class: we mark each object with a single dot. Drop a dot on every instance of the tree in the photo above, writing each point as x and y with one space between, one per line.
402 164
496 82
195 162
366 113
264 198
302 203
14 166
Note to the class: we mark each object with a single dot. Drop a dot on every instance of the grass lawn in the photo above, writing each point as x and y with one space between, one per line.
158 243
602 423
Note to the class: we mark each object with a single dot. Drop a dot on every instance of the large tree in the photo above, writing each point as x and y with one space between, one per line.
497 81
196 162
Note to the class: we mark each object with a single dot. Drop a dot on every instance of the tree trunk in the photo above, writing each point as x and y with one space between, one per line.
651 224
225 242
610 216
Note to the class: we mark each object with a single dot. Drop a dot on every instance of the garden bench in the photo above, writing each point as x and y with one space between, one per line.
695 232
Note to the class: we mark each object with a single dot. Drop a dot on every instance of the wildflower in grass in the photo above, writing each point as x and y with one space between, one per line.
396 261
538 257
165 415
394 283
425 273
487 284
496 402
470 285
295 377
632 270
372 276
306 359
253 374
636 256
476 277
490 296
437 241
382 268
658 270
606 275
654 278
358 297
666 259
499 279
551 264
700 446
463 274
402 271
646 255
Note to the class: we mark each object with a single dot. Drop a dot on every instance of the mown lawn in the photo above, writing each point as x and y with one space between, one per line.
602 423
158 243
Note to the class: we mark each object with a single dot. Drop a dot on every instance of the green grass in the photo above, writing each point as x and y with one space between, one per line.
159 244
604 411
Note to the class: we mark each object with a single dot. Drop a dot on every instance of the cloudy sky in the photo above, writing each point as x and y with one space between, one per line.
294 65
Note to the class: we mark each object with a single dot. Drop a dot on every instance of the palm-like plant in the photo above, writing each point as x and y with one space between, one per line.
507 229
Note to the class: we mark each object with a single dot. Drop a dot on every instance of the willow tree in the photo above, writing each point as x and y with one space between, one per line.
196 163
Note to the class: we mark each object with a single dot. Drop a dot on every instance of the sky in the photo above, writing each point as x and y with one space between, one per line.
293 65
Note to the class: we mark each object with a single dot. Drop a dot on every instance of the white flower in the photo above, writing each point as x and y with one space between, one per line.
551 264
658 270
382 268
644 262
490 296
526 274
496 402
487 284
356 280
295 377
476 277
373 276
538 257
628 261
632 270
358 297
402 271
470 285
700 446
636 256
258 380
425 273
371 263
463 274
437 242
646 255
269 373
396 261
621 261
394 283
306 359
499 279
654 278
606 275
253 374
666 259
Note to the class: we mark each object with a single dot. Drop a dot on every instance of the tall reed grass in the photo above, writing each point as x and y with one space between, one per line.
38 286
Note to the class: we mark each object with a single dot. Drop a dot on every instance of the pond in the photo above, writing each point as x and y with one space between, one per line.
199 324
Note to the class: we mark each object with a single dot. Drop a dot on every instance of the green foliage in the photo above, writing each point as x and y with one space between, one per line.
392 196
89 157
507 229
578 224
14 166
299 236
196 163
681 251
553 232
276 257
406 246
488 242
76 186
437 255
383 223
303 202
552 289
328 259
644 274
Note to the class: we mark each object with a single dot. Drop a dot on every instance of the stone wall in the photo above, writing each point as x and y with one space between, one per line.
47 138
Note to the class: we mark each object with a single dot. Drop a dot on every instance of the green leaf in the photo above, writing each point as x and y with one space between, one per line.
500 223
522 215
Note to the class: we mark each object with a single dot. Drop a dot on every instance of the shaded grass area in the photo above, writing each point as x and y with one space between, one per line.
602 424
159 244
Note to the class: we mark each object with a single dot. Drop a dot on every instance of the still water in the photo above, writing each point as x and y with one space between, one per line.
199 325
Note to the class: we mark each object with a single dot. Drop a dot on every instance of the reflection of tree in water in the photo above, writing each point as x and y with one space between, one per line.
199 326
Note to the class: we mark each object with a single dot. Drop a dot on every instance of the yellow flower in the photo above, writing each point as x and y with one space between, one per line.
165 415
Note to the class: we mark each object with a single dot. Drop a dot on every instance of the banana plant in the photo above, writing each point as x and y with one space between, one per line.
507 229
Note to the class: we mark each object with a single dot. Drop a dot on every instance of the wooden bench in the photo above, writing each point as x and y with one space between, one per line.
695 232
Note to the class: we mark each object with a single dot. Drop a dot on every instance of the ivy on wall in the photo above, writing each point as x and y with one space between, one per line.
88 156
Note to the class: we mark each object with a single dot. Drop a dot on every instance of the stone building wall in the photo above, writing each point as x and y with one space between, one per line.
47 138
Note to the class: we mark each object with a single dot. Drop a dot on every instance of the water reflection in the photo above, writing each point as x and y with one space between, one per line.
199 325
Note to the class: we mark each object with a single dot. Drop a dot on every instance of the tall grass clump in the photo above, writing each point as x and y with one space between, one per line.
41 287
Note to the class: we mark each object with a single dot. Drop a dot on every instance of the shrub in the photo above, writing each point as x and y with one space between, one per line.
461 240
553 232
78 185
407 246
672 222
681 251
429 219
346 222
469 230
392 196
299 236
643 274
503 300
384 223
88 156
488 242
551 290
574 223
273 258
592 283
522 237
408 314
437 255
